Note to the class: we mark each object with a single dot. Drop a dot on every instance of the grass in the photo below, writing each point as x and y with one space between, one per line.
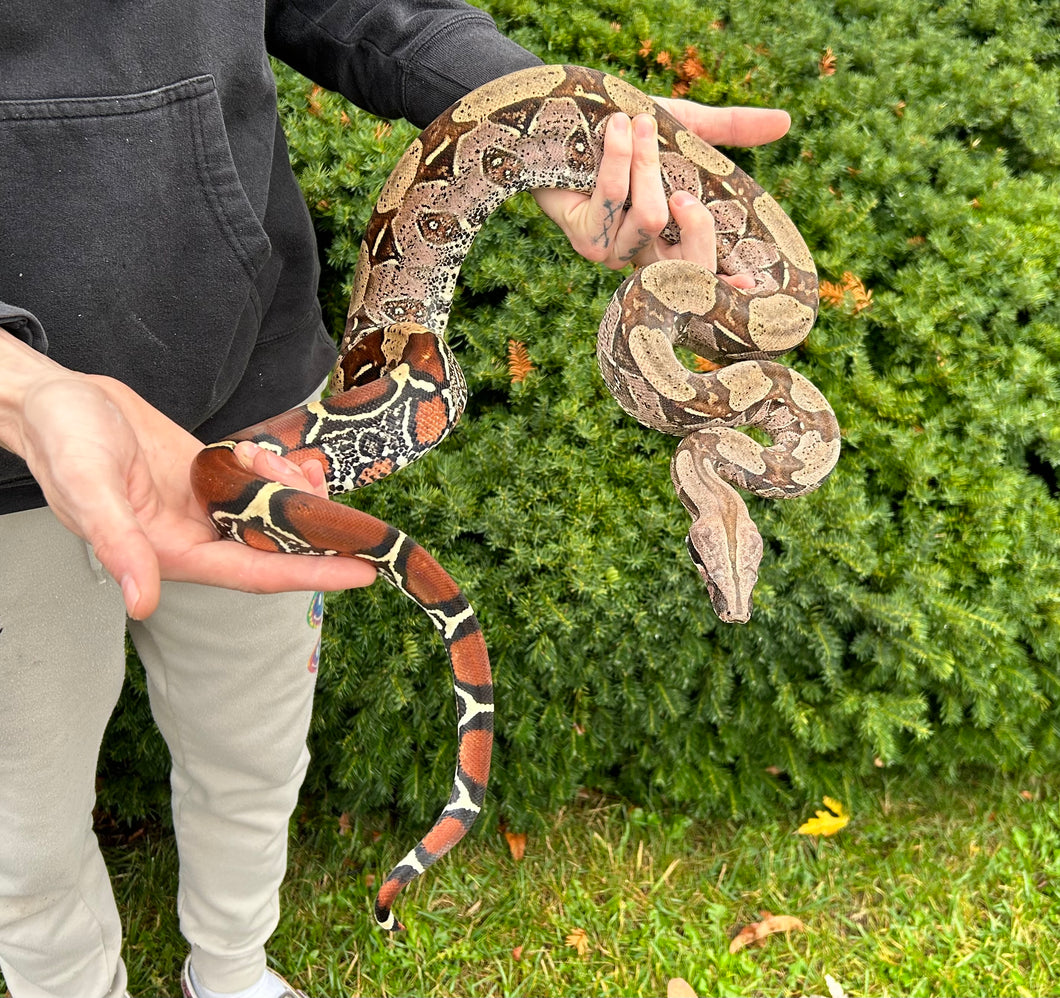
928 891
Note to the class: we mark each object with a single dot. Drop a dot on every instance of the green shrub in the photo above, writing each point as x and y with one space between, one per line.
907 614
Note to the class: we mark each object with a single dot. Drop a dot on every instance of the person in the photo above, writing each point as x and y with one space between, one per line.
158 281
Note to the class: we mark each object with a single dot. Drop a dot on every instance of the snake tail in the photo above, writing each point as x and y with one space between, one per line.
273 517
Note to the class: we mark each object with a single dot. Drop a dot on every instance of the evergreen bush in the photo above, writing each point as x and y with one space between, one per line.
907 614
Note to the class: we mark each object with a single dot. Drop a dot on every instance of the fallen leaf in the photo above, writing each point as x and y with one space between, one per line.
517 953
345 825
516 844
779 923
826 66
756 933
827 822
579 940
745 937
678 987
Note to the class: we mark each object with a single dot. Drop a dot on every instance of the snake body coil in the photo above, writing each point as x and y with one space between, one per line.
398 391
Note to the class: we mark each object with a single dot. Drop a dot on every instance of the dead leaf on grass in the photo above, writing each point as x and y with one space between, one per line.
826 822
755 933
579 940
678 987
516 844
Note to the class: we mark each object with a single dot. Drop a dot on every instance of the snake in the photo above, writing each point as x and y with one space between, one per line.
397 390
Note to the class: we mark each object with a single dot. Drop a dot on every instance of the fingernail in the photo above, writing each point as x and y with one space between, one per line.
131 593
244 452
682 199
621 122
645 125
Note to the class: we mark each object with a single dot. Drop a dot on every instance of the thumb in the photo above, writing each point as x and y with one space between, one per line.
122 547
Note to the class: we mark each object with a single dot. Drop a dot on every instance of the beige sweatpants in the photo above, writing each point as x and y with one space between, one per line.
231 680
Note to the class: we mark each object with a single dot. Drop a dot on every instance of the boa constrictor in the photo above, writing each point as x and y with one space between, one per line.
397 389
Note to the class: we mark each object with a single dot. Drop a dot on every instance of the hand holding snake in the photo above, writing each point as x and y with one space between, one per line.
398 390
603 228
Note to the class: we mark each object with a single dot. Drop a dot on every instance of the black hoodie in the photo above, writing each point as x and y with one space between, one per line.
151 228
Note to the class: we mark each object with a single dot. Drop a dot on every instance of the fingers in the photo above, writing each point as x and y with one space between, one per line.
100 513
622 220
235 566
627 209
698 242
307 477
125 552
648 212
103 513
635 228
729 126
606 206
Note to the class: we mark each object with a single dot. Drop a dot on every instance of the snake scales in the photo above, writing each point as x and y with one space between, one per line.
397 390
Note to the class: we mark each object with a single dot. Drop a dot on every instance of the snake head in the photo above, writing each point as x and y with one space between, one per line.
729 571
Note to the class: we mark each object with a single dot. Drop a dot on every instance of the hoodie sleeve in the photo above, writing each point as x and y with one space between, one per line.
25 325
395 58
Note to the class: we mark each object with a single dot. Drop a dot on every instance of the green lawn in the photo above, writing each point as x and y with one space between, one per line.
925 892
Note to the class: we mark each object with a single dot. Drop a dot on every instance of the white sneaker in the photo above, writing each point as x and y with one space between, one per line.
282 988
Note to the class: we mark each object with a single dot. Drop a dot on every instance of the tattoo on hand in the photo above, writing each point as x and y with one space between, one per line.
645 242
612 208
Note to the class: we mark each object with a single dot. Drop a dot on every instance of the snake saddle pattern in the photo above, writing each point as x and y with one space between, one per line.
397 390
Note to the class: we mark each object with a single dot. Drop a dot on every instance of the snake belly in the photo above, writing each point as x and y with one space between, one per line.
397 390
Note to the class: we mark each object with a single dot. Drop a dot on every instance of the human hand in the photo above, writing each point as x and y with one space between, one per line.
599 227
116 472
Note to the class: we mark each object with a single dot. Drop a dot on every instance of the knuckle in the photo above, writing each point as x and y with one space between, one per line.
594 252
653 219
